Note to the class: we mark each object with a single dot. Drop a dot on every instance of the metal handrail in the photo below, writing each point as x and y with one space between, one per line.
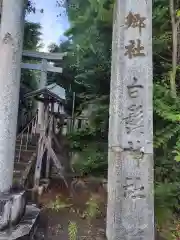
23 130
28 127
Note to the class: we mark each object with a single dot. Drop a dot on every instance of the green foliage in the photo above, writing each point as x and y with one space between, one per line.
32 34
92 211
92 154
87 67
166 199
91 161
166 125
167 111
58 204
72 231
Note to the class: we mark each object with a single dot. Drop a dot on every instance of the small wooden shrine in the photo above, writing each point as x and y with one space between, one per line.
52 100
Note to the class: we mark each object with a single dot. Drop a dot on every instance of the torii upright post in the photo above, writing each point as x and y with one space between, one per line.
42 84
130 213
11 39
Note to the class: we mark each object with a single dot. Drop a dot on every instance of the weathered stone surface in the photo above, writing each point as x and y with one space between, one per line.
18 207
130 214
11 42
5 207
26 228
132 193
12 207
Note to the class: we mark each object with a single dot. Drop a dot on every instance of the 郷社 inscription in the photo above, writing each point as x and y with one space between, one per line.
135 20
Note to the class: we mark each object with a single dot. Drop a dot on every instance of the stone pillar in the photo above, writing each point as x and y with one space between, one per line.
42 84
130 212
11 41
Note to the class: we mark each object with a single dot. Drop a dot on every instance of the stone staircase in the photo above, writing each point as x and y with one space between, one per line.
25 155
18 216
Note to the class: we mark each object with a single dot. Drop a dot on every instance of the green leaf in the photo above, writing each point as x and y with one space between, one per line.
178 13
177 158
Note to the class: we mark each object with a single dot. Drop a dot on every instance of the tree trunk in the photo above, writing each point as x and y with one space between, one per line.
130 212
11 39
174 48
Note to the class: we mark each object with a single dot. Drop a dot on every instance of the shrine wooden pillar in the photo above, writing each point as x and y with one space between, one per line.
49 138
41 145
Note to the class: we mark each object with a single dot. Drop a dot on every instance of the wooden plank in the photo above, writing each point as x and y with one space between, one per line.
39 67
43 55
41 151
51 68
32 66
48 162
48 126
44 99
55 159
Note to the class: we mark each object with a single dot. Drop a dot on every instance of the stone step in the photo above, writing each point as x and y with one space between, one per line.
24 147
25 154
17 181
20 166
26 160
32 143
17 171
24 135
17 174
33 140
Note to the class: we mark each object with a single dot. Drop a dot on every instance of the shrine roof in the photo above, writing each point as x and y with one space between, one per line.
52 91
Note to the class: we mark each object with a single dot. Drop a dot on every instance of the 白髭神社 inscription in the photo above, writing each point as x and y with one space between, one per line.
134 188
134 120
134 88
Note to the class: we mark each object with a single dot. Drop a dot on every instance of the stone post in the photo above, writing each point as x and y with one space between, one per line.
11 41
42 84
130 212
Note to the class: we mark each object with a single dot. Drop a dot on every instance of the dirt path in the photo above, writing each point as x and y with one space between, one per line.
55 224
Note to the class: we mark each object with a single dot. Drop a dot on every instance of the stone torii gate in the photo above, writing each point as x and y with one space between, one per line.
44 66
12 203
